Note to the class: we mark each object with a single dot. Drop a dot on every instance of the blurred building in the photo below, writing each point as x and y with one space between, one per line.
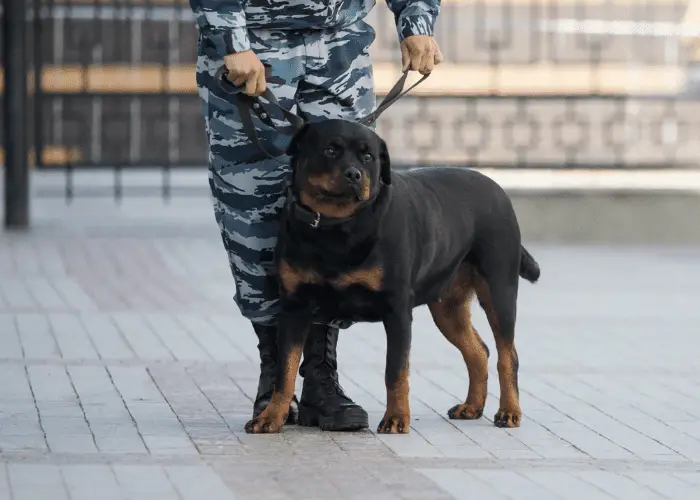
525 83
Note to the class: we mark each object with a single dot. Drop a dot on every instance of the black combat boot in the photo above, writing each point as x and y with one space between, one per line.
323 402
267 345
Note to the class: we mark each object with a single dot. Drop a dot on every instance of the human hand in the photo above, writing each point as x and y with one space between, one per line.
420 53
246 68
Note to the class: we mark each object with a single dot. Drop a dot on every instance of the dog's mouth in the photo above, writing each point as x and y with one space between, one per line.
335 189
359 191
352 192
335 195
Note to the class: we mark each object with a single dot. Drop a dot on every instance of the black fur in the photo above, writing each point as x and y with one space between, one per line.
420 227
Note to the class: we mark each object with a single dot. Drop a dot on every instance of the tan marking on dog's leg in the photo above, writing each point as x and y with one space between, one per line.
509 413
397 419
452 315
273 417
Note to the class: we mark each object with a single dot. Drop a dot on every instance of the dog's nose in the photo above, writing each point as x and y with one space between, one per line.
353 175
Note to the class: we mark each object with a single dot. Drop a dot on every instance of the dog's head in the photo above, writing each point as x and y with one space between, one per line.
337 166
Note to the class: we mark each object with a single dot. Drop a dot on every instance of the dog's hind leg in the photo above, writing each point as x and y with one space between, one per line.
496 285
453 317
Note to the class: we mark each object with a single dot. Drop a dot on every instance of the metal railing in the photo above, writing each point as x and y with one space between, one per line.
525 84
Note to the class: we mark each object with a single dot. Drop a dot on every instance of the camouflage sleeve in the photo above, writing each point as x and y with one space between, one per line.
226 19
414 17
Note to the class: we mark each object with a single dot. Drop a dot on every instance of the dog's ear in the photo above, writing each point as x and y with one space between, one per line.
293 147
384 162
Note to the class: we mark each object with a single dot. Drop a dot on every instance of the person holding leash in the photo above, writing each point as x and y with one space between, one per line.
314 53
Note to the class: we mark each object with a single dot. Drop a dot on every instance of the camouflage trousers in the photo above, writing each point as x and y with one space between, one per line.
329 74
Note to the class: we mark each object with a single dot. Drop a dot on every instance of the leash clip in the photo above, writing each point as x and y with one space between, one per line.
316 221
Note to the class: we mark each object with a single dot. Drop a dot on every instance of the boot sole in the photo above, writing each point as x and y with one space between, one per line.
352 419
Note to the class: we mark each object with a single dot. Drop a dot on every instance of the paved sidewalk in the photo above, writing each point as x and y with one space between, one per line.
127 373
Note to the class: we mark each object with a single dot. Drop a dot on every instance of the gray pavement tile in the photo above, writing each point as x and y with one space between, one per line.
513 485
10 346
691 478
106 338
36 482
71 337
566 485
36 336
617 485
16 294
170 445
73 294
45 295
23 442
194 483
144 483
665 484
85 482
217 346
143 373
4 483
456 482
182 345
142 338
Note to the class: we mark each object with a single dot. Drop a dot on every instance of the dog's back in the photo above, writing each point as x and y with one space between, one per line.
440 216
457 191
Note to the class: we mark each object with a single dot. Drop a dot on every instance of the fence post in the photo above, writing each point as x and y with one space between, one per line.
15 114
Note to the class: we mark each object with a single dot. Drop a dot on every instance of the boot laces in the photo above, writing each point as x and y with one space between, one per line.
330 383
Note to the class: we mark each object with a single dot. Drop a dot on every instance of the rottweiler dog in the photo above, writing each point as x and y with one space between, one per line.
361 243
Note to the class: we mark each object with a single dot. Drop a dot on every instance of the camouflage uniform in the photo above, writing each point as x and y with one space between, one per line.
318 52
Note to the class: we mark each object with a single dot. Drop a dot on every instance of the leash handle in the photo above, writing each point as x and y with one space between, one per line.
249 105
391 97
230 88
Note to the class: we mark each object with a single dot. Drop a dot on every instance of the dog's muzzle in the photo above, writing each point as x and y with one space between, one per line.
354 178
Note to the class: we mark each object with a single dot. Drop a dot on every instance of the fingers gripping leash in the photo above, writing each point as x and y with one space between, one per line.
263 106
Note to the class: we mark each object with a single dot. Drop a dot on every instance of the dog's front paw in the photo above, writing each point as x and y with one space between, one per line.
394 424
266 423
465 411
507 418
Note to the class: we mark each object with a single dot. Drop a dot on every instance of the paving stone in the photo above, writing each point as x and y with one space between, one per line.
194 483
106 338
36 482
4 483
36 336
71 337
618 485
144 483
566 485
10 346
456 482
83 481
145 342
126 369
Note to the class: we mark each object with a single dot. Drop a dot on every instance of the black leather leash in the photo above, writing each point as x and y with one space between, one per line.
261 107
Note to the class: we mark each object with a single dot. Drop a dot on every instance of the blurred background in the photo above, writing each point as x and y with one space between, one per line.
530 90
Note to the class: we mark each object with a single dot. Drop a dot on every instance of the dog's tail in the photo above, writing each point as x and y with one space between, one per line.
529 268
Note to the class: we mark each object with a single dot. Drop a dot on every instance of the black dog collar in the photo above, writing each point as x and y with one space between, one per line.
301 213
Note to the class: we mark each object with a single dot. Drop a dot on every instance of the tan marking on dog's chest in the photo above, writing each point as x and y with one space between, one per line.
371 278
291 278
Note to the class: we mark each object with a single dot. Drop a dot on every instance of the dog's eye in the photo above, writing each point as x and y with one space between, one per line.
366 158
329 152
